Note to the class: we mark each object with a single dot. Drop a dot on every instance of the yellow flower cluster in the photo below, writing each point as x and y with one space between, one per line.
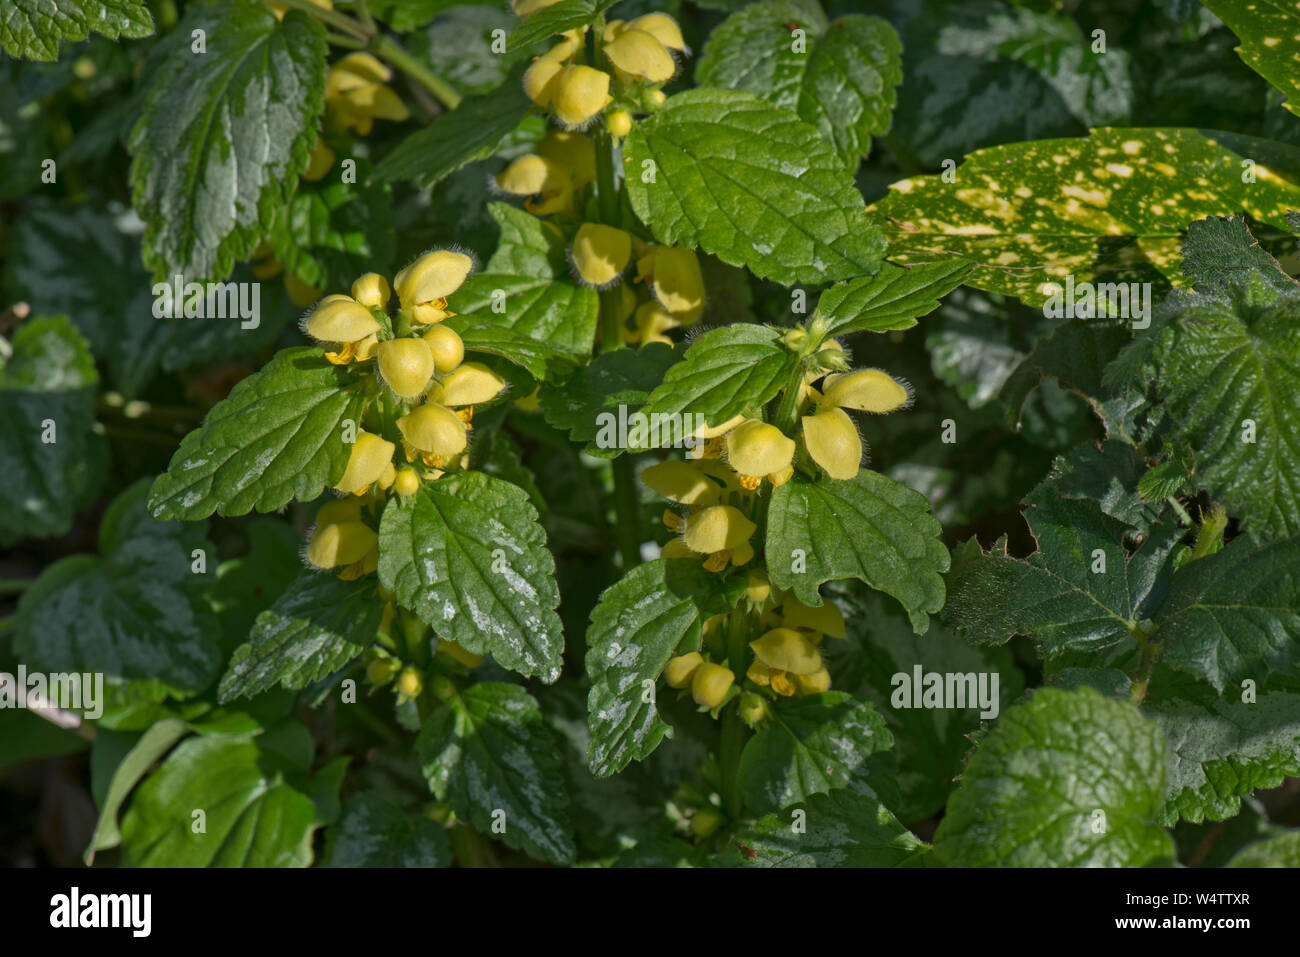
640 55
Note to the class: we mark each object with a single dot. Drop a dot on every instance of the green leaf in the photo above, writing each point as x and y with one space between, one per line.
1074 354
843 82
488 751
316 628
136 763
752 184
1062 596
1111 206
472 131
812 745
478 66
1235 614
277 438
1068 779
1268 32
557 18
136 611
376 833
467 554
724 372
32 29
223 135
841 829
542 360
621 378
248 584
258 808
1280 850
48 454
525 287
1225 365
884 535
1106 475
654 612
891 299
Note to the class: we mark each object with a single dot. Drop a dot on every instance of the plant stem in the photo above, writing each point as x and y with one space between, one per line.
469 847
15 584
627 509
734 733
1150 654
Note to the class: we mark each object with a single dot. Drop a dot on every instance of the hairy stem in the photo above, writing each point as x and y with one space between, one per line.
734 733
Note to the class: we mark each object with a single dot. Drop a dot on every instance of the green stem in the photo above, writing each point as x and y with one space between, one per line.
15 584
469 847
1150 654
627 509
734 733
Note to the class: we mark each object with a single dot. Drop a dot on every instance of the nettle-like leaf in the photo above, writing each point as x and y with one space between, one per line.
1279 850
136 612
48 454
557 18
655 611
373 832
525 287
468 555
259 808
723 372
814 744
891 299
751 183
1074 354
621 379
316 628
841 829
224 134
33 29
488 752
1111 206
870 528
1226 362
541 360
1268 31
1067 779
472 131
841 77
277 438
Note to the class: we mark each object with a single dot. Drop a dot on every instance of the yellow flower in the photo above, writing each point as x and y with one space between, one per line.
279 9
662 27
675 281
679 671
321 162
341 543
456 653
710 684
432 278
601 253
757 451
406 366
683 482
434 432
356 95
523 8
619 123
371 456
540 80
447 347
722 532
532 175
371 290
867 390
833 442
572 151
407 482
409 682
651 323
757 588
343 321
814 683
471 384
580 92
636 54
825 620
780 653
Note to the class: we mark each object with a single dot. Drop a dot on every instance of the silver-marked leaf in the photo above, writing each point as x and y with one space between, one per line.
373 832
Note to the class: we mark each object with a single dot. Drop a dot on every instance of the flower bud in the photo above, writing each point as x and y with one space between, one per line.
657 98
367 462
410 683
340 544
619 123
381 671
784 649
867 390
756 449
705 821
679 671
539 80
752 709
447 347
757 588
340 319
580 92
471 384
717 528
833 442
662 27
371 290
710 684
435 275
434 429
683 482
638 54
406 483
601 253
406 365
